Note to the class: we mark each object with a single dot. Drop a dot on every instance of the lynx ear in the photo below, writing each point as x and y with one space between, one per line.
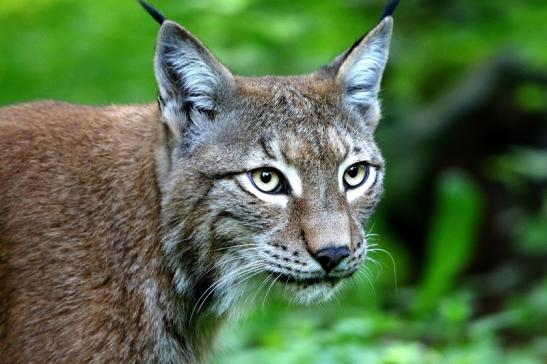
359 70
190 79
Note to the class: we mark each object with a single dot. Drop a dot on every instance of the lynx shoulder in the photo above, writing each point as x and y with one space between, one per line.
130 233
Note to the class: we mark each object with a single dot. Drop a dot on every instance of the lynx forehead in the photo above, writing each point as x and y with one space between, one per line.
129 233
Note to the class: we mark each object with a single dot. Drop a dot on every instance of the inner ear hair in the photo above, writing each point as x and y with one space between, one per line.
360 73
190 79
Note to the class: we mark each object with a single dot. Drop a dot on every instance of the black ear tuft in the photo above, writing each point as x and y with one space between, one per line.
389 9
156 14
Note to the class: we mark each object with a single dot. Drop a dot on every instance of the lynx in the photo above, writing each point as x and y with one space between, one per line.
131 233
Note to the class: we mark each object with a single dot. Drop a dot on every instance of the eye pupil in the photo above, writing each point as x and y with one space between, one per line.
266 176
353 171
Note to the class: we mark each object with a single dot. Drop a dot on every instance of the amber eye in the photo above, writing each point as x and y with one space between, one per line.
356 174
267 180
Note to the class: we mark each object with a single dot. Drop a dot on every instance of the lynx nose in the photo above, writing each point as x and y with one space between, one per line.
331 256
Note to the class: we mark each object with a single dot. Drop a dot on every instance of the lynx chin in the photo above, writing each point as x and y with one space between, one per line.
130 233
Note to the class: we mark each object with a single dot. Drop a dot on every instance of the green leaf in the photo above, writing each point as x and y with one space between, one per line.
451 238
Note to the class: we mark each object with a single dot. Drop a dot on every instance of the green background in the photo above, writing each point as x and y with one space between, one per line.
463 225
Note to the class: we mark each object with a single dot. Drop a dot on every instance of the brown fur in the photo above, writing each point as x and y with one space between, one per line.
79 221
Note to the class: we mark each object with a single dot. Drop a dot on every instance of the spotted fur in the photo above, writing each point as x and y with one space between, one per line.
130 233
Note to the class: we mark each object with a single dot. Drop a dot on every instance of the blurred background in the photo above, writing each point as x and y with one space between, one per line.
459 273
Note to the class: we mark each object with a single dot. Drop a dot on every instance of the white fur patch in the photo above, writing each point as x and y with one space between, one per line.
315 293
354 193
291 173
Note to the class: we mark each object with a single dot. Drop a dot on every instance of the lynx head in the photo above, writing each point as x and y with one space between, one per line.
267 180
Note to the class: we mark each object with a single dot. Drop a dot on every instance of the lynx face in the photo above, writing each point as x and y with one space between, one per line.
267 181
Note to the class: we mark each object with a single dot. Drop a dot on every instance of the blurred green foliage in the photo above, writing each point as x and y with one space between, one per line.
453 233
463 227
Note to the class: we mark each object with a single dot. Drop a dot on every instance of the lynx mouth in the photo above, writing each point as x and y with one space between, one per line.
289 279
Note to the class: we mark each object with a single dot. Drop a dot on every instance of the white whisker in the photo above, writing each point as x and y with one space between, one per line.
393 263
233 275
269 288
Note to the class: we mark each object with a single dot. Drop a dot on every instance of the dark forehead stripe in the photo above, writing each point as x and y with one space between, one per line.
266 147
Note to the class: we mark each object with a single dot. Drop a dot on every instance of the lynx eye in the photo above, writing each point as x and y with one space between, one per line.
356 175
267 180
